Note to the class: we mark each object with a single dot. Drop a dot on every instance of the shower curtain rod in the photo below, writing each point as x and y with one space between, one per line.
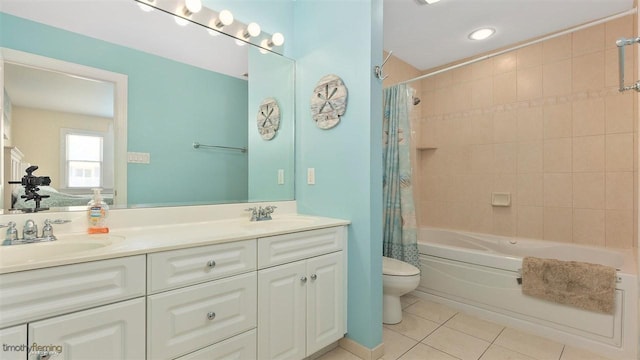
497 53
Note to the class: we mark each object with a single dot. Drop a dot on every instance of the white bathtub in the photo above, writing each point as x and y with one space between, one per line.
478 273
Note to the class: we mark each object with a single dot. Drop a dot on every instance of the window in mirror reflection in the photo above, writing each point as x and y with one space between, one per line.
83 160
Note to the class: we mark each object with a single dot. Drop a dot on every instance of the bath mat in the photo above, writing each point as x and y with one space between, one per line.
583 285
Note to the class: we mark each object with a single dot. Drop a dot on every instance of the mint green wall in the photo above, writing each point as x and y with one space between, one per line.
345 38
271 76
170 106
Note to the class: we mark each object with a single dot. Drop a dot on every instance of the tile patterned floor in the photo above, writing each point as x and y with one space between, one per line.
434 331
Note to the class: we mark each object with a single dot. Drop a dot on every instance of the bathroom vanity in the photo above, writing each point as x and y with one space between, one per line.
207 290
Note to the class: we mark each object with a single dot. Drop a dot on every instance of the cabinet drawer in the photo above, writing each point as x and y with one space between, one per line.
14 343
34 294
179 321
241 346
173 269
113 331
280 249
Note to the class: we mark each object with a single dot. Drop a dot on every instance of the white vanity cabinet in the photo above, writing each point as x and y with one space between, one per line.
301 301
91 310
190 318
14 343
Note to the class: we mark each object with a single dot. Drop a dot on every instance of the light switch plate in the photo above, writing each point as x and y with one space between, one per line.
280 176
311 176
138 158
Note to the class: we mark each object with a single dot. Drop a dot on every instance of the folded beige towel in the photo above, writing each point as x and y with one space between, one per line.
584 285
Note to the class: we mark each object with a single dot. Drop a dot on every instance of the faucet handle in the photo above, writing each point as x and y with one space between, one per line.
56 221
11 234
47 229
254 213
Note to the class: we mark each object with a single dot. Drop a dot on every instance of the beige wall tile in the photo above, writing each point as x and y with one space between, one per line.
504 63
482 69
558 190
529 83
481 93
557 78
530 189
619 152
530 157
530 124
443 80
481 158
619 229
588 40
619 190
505 220
505 126
619 113
588 153
588 72
481 187
480 129
558 48
558 224
588 117
557 155
588 190
618 28
557 120
505 158
481 217
504 88
589 227
529 56
530 222
461 74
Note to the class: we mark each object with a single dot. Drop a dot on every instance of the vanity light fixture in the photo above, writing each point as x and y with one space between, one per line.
225 18
146 5
192 7
252 30
181 21
482 33
277 39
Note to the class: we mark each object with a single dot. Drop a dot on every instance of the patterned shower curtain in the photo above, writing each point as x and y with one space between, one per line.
399 234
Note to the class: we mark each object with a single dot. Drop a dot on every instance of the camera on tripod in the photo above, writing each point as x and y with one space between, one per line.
32 181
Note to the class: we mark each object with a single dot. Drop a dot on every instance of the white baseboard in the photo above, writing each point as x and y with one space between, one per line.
362 351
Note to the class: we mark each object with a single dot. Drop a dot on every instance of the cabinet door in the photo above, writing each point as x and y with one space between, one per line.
191 318
325 301
108 332
14 343
239 347
281 312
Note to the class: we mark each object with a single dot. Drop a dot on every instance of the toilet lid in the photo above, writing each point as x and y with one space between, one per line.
398 268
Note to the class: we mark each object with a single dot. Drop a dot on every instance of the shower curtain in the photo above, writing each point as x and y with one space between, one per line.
399 233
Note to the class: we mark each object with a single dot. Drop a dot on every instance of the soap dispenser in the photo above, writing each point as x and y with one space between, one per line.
97 212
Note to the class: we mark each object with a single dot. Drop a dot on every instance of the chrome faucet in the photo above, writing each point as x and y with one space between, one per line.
260 213
30 232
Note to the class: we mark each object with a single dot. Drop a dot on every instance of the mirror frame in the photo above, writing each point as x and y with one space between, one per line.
120 82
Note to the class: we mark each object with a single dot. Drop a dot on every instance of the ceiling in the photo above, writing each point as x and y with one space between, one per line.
428 36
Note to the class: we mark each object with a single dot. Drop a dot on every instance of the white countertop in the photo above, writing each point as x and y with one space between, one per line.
130 241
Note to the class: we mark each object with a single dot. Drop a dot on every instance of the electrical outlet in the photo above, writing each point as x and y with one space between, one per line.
138 158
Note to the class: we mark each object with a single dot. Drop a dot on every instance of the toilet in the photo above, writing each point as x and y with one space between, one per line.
398 278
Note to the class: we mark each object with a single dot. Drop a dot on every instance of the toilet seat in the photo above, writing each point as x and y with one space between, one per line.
396 267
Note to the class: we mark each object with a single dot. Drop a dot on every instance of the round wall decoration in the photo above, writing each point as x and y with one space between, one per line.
329 101
268 119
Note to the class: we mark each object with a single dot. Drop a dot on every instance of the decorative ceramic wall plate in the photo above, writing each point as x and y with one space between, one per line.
329 101
268 119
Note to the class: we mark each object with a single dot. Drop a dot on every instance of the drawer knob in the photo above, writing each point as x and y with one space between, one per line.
211 263
314 276
211 315
303 279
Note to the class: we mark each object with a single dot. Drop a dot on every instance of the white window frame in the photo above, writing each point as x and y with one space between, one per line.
64 184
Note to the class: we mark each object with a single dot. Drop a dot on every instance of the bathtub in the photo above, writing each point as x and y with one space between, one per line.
478 274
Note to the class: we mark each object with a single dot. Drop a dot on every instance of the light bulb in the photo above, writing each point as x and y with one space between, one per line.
253 29
192 7
225 18
481 34
277 39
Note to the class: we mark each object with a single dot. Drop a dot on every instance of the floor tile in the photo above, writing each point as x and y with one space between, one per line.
414 326
423 352
528 344
408 299
456 343
496 352
395 344
571 353
474 326
431 311
338 354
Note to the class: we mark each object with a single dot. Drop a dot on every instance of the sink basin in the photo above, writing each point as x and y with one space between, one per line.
66 246
279 222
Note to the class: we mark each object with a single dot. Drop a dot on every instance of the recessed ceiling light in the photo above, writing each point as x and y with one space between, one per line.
481 34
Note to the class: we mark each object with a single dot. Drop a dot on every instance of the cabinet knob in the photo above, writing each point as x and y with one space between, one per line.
314 276
46 356
211 315
211 263
303 279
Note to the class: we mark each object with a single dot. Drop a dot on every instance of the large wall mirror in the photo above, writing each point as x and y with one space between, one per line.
131 91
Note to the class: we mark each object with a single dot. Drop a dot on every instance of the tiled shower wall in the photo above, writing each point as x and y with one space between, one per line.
544 123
